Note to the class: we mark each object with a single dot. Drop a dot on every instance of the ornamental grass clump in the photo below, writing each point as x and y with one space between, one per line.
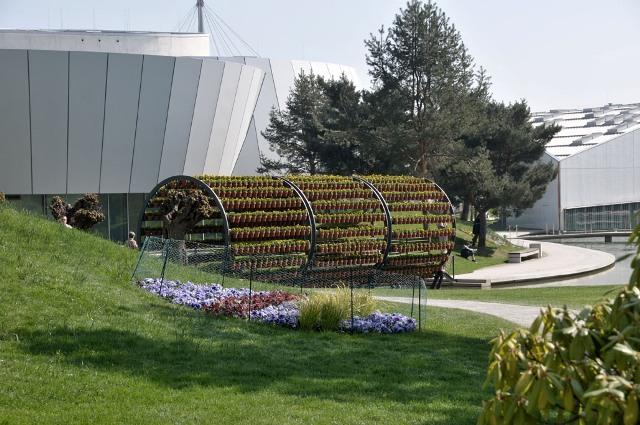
571 368
326 311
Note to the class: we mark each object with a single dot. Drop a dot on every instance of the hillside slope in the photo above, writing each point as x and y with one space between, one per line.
79 343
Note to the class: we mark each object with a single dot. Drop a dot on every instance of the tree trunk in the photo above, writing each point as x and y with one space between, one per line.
482 238
176 231
466 210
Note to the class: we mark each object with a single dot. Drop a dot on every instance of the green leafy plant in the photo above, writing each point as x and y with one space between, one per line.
325 311
571 368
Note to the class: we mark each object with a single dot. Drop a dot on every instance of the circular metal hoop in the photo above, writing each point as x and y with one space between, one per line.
200 185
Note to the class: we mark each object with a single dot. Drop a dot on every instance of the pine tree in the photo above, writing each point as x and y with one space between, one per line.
296 133
498 164
422 76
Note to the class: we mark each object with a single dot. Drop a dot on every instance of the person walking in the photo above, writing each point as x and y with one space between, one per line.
438 276
131 242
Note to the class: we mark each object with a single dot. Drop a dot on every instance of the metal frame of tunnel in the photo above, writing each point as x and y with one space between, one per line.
387 214
312 220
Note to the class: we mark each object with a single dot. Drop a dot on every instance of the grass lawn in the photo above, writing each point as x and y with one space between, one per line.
496 251
80 344
574 297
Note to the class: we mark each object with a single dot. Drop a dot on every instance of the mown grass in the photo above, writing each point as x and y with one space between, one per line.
573 297
80 344
496 251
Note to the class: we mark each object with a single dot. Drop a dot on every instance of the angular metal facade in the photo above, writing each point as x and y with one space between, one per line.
75 122
277 84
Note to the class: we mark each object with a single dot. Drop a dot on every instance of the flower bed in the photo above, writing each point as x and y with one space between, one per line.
285 314
385 323
215 298
240 306
272 307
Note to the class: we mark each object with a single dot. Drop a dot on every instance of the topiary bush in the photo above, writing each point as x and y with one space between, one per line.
2 198
571 368
85 213
58 207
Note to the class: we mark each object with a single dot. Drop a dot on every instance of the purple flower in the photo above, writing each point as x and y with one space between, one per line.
191 294
377 322
285 314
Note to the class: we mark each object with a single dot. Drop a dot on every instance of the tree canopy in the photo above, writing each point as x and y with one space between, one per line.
429 114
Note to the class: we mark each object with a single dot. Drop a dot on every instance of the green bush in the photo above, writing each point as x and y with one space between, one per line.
571 368
325 311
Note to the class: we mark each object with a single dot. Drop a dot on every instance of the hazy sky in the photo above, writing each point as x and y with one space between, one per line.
554 53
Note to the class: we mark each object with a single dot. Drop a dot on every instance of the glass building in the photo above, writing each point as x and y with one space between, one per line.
597 153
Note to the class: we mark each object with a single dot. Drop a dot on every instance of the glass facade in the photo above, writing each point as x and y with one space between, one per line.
604 217
122 211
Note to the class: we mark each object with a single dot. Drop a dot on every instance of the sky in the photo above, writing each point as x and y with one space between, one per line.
554 54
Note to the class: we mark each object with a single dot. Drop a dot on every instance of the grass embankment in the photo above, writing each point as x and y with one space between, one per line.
572 297
496 251
80 344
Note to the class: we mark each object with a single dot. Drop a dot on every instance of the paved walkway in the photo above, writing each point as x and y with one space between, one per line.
522 315
558 262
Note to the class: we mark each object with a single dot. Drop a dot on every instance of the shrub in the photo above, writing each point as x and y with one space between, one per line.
571 368
2 198
85 213
58 207
326 310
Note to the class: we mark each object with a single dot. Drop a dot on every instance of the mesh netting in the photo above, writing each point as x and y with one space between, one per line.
188 260
184 261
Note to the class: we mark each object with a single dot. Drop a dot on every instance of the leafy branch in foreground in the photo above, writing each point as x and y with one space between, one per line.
571 368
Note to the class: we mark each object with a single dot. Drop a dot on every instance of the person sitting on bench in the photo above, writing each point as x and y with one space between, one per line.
467 252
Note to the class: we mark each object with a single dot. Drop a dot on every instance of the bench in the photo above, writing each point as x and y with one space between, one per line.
517 257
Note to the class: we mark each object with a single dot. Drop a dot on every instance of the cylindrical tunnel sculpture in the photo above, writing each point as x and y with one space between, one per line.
319 225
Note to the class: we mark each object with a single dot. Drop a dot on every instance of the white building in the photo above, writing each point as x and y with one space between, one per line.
598 157
117 112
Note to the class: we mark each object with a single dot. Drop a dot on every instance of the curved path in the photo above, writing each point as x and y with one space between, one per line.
558 262
522 315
